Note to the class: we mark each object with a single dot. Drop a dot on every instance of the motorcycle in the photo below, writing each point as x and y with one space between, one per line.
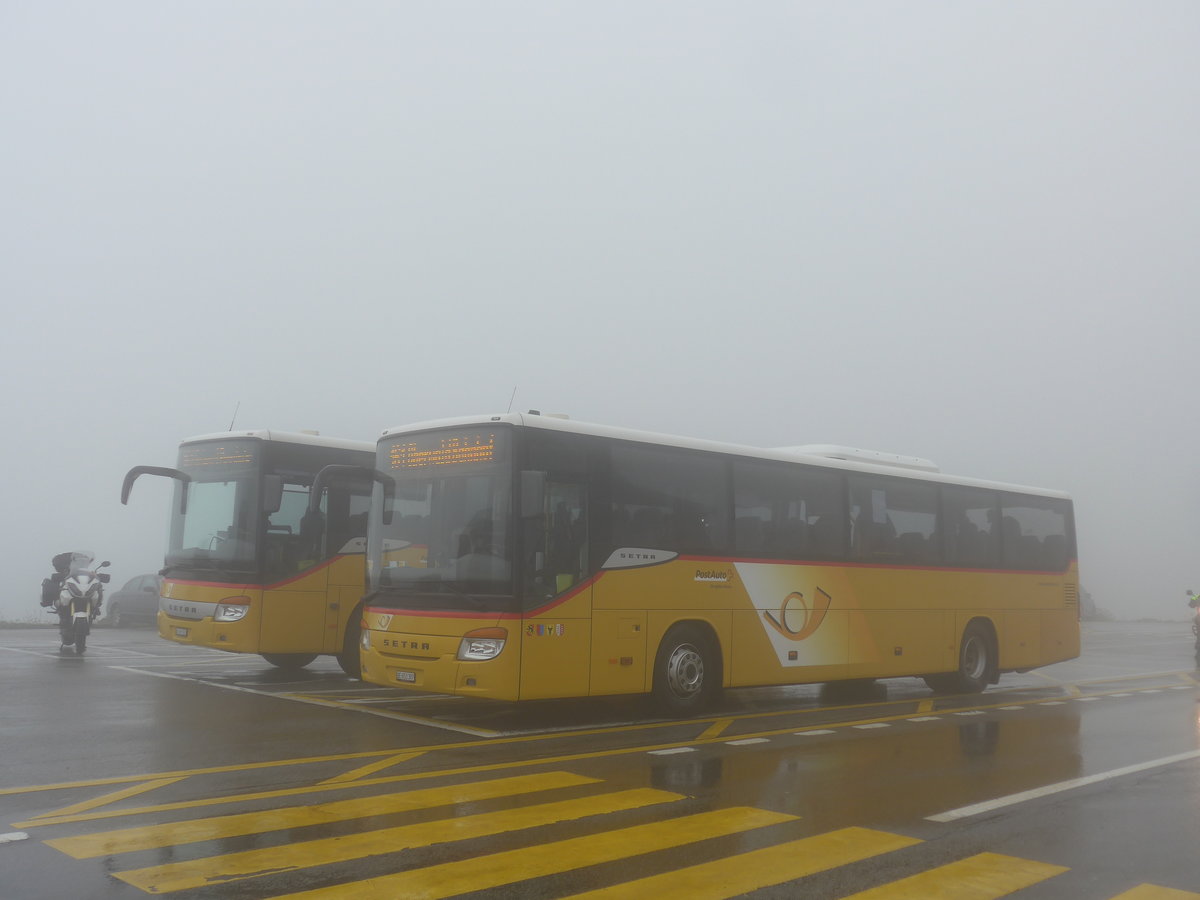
80 599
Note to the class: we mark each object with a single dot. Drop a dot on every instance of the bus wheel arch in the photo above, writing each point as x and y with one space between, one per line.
350 659
688 667
978 661
289 661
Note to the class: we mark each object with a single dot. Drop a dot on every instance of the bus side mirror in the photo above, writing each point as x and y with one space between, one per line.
272 495
533 494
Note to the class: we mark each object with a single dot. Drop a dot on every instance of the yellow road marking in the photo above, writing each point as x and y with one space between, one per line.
494 870
984 876
127 840
519 739
372 768
289 857
97 802
1153 892
737 875
464 770
715 729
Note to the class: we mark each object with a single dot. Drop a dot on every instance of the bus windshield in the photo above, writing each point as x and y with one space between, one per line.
450 517
219 528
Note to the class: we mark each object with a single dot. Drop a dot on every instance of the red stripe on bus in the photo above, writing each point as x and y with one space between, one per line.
263 587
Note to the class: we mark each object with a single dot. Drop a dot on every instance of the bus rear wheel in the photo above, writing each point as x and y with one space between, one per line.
289 660
686 670
975 664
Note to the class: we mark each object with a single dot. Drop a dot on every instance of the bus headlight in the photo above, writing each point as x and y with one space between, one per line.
232 609
364 639
483 643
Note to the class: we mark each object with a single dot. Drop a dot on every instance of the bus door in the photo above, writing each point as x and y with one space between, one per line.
555 634
295 614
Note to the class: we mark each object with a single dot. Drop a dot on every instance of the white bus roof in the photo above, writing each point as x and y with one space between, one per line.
287 437
881 463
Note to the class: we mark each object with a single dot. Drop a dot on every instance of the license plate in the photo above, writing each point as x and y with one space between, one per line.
181 632
410 677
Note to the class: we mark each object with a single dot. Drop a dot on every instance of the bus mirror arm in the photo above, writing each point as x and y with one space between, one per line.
132 475
323 477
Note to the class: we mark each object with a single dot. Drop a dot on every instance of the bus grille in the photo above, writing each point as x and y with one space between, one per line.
1071 594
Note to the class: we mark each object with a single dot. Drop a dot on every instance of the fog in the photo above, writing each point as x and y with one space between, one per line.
966 232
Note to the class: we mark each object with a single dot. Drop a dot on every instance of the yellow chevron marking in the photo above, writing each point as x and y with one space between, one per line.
96 802
372 768
169 834
450 879
1153 892
715 729
736 875
289 857
985 876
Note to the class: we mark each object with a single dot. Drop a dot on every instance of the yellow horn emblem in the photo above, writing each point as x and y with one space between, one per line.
797 617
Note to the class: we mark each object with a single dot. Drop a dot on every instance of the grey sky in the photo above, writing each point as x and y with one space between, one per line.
960 231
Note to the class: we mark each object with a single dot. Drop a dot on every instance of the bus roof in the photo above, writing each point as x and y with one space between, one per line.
812 454
287 437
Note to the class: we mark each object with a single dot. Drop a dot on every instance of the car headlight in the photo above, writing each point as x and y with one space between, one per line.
483 643
232 609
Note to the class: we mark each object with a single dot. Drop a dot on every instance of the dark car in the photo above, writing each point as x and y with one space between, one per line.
135 602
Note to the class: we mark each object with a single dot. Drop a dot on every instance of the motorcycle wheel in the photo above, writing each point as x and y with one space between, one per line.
80 643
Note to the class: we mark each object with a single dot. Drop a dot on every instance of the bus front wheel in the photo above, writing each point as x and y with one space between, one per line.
289 660
686 670
975 664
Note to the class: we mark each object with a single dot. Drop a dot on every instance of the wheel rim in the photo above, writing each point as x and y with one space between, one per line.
974 658
685 671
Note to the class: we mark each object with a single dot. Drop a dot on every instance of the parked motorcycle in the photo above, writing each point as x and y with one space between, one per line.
80 599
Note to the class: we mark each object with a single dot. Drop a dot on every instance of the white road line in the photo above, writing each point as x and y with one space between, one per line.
382 713
744 741
672 751
13 836
814 731
964 812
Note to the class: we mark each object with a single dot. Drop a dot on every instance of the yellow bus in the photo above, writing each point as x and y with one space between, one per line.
248 568
521 557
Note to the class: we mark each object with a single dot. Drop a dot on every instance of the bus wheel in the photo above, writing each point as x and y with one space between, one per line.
974 664
685 670
350 659
289 660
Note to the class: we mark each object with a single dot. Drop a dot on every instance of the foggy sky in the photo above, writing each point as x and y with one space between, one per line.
966 232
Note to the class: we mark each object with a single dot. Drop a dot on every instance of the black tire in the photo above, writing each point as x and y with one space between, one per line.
686 670
350 659
289 660
80 642
114 617
975 663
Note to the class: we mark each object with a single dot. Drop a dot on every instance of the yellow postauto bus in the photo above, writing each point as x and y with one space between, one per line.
522 556
249 568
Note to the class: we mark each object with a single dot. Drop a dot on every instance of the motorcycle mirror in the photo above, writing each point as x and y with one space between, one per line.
103 564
